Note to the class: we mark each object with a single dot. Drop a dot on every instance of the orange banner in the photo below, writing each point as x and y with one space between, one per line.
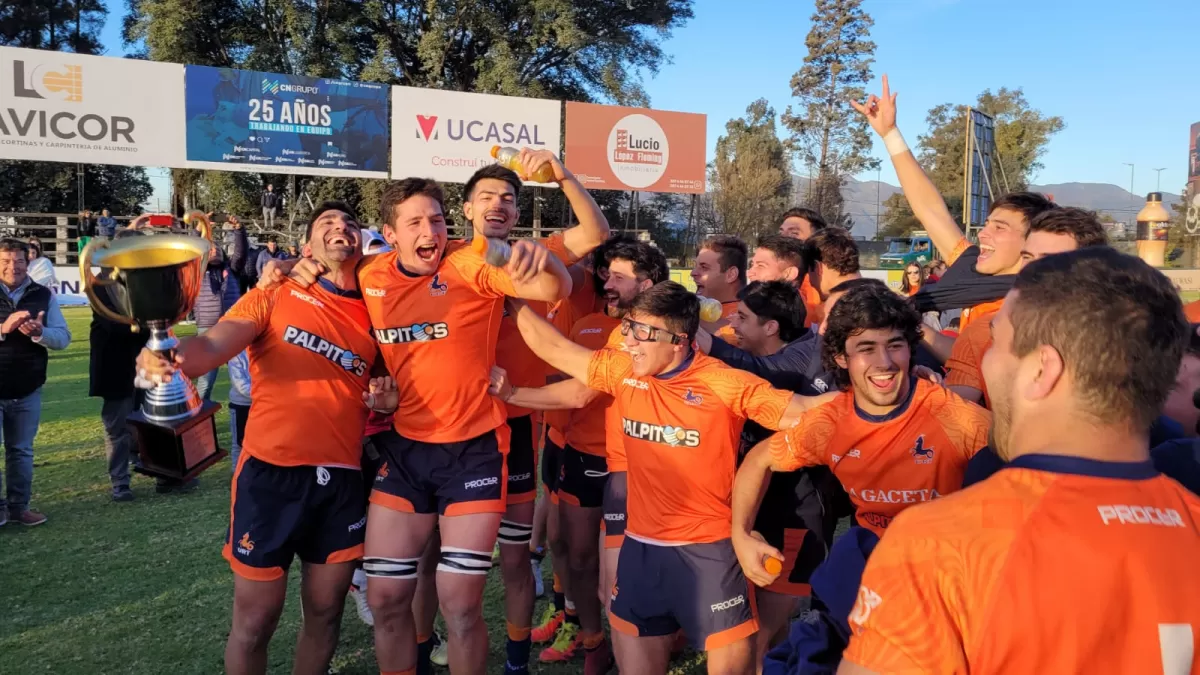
614 148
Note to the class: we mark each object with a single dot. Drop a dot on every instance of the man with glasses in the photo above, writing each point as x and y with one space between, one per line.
680 414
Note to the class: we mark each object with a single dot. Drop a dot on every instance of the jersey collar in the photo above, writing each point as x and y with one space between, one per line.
677 369
1082 466
330 287
897 412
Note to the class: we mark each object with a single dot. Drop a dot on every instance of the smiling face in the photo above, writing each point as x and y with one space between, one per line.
335 240
754 336
878 363
621 286
492 208
766 266
654 356
418 234
1001 241
13 268
711 282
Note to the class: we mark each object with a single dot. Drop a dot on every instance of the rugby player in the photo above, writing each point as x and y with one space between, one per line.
435 306
490 204
592 459
311 355
800 223
677 568
891 440
1003 234
1053 231
832 257
778 258
1078 557
719 272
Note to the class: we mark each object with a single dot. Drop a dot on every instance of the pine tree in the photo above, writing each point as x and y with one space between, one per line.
749 177
827 134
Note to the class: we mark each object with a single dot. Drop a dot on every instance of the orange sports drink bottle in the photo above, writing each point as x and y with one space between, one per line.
494 251
510 158
710 310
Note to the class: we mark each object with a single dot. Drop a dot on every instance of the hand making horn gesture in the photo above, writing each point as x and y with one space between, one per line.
880 111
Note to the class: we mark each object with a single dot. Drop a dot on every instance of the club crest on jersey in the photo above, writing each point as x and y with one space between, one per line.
342 357
658 433
920 453
692 399
437 288
418 332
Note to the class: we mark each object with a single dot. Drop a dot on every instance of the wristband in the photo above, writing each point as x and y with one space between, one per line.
894 143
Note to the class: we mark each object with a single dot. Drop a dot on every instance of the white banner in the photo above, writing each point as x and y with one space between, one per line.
68 287
448 135
62 107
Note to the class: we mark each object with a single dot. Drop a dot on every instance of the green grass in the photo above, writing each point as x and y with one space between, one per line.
141 587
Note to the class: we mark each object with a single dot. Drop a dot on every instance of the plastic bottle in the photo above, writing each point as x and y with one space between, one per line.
1153 221
710 310
510 158
494 251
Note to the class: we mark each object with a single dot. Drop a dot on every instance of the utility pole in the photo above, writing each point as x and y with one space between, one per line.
1131 192
878 173
1158 179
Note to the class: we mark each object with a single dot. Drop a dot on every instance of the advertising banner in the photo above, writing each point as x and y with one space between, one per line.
448 135
61 107
1191 217
615 148
243 120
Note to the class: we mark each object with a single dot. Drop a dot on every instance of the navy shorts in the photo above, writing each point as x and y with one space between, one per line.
581 478
551 460
317 513
615 492
798 516
522 461
450 479
695 587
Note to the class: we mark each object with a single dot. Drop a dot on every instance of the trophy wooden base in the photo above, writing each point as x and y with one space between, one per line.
180 450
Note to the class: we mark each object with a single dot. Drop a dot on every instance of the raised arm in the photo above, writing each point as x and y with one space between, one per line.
926 202
592 229
536 273
547 343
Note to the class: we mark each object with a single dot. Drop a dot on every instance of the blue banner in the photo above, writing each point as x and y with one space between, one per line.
242 120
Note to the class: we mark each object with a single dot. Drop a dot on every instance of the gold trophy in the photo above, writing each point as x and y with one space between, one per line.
150 282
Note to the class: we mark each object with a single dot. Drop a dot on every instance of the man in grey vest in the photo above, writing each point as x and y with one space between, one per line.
30 323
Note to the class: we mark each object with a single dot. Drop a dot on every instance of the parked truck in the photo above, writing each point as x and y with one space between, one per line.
917 247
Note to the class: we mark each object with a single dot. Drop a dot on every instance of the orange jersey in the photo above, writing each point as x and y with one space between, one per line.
563 315
438 337
681 436
916 454
614 443
585 430
524 368
1052 565
964 367
814 308
1192 311
309 367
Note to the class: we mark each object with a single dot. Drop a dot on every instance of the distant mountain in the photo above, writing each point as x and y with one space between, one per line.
861 196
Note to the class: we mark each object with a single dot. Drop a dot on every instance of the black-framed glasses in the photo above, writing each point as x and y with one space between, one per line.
647 333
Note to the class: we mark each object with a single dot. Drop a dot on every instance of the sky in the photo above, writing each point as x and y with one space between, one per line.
1119 73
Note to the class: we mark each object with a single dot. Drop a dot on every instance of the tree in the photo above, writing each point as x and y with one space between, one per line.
579 50
749 176
898 219
1022 136
51 187
828 135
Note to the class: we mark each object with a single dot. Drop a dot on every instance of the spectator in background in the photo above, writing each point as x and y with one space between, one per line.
30 323
41 270
237 249
106 225
272 251
293 252
270 204
218 292
239 403
114 348
934 271
87 228
914 279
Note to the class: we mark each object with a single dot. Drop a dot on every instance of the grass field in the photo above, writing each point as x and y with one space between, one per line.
141 588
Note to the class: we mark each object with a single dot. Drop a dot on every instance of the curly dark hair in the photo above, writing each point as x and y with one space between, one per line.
648 262
866 307
834 247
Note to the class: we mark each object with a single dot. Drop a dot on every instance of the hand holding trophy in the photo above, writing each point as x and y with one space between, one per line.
150 282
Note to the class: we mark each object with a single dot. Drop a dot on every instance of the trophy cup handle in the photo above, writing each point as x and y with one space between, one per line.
89 280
